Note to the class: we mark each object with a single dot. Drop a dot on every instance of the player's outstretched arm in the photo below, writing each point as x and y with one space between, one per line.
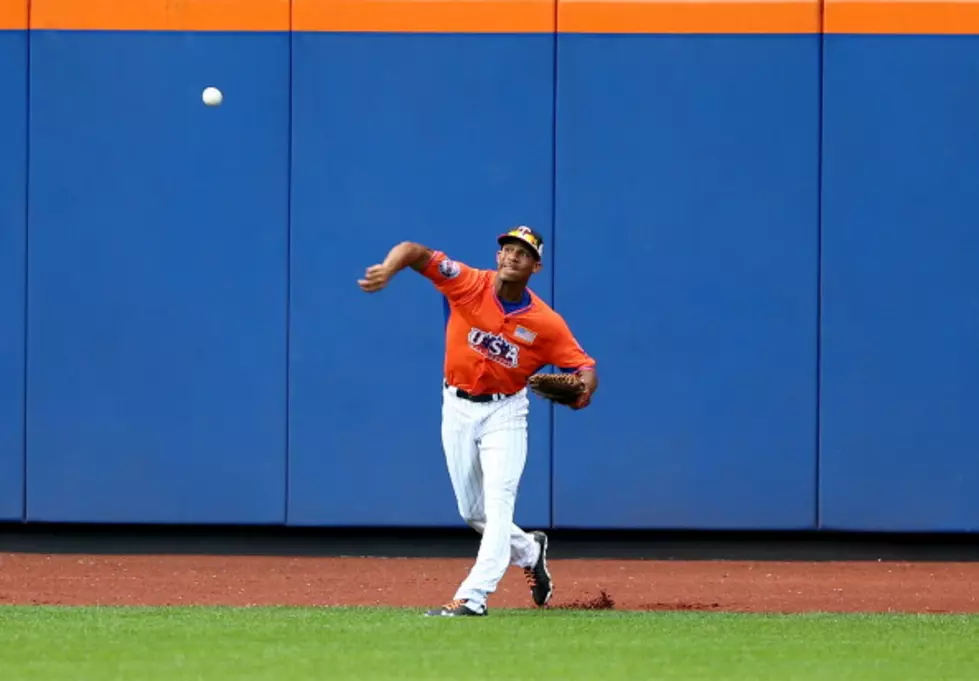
405 254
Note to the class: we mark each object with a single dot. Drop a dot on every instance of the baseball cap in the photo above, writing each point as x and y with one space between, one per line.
526 236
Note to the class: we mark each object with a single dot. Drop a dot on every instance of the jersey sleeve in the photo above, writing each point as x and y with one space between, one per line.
457 281
567 354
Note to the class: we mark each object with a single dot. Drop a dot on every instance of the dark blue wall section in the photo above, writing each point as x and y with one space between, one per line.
441 139
157 281
13 225
687 242
900 324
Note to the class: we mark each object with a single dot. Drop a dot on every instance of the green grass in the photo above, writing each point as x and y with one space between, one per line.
293 644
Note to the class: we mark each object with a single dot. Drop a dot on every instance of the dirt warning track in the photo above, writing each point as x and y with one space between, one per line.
738 586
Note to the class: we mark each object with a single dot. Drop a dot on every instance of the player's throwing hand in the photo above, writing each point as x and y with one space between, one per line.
375 278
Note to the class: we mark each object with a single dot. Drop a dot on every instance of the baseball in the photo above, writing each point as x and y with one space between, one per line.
212 96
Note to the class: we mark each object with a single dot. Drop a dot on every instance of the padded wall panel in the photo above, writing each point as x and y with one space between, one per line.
686 241
157 290
444 139
900 320
13 254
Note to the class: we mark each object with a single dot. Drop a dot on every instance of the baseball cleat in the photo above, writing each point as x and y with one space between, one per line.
537 576
456 609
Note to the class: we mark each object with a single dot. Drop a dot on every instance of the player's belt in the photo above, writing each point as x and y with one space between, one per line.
490 397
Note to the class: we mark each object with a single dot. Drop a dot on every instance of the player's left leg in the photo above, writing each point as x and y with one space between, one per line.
502 455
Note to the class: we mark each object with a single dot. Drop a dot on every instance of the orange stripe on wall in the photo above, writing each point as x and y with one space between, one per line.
914 18
161 15
13 15
432 16
502 16
692 16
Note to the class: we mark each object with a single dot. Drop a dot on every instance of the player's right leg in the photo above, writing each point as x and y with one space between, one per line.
460 420
462 459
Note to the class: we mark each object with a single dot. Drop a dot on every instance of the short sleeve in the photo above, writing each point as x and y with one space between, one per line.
456 280
567 354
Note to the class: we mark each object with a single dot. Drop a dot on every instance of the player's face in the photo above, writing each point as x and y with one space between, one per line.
516 263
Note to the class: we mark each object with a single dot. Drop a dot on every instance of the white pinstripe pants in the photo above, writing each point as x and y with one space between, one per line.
485 448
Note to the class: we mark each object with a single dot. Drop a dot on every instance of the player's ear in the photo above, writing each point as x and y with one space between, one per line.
537 265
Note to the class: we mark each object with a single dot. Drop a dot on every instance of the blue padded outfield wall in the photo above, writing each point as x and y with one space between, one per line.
687 242
13 244
900 361
156 384
760 221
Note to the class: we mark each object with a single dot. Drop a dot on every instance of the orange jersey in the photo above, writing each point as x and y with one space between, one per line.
488 350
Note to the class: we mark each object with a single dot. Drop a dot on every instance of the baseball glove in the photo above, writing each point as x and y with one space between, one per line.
564 389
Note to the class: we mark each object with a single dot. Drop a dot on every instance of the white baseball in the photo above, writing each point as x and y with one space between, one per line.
212 96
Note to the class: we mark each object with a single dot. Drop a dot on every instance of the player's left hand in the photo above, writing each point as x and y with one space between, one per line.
590 380
582 401
375 278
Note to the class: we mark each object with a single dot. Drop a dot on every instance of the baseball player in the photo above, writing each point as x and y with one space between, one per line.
498 334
